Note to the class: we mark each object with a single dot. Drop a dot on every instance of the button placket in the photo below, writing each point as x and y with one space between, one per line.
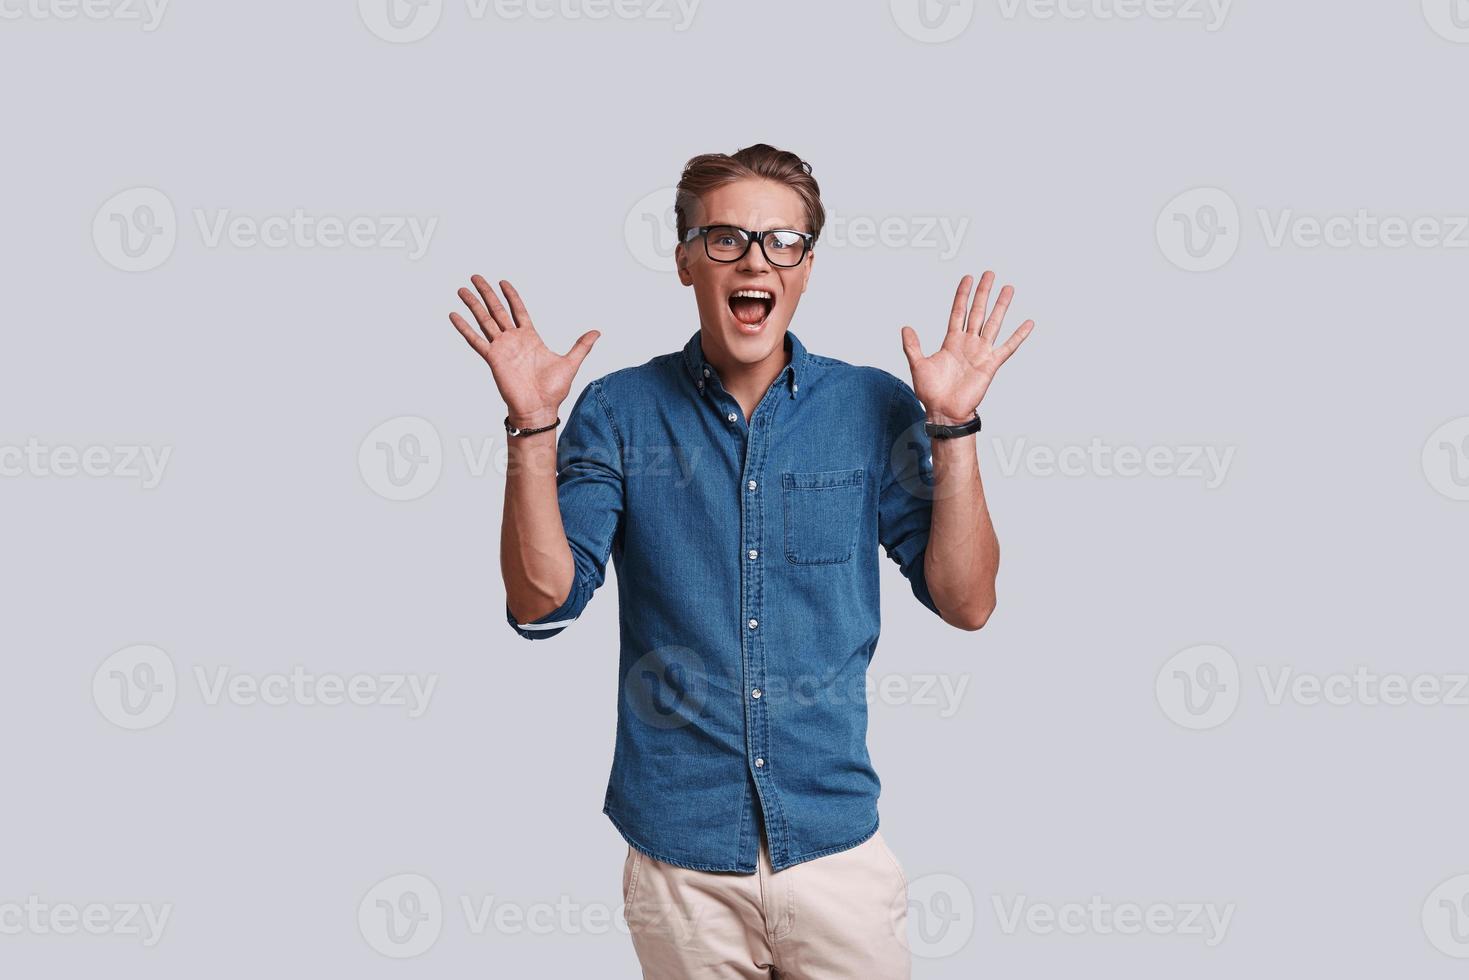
760 425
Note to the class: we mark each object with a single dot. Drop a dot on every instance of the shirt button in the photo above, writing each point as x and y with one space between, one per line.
731 416
795 387
706 372
755 694
751 484
754 623
759 763
754 554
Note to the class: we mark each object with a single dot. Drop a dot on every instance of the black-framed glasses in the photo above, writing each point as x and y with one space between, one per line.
784 247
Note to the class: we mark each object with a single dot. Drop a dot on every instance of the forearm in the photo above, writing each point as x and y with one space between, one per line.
963 554
535 558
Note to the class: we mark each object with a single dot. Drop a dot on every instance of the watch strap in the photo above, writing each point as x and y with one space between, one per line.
937 431
513 431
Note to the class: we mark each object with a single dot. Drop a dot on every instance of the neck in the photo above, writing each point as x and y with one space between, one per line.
747 383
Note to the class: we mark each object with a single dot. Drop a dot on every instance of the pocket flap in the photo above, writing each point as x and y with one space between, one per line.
821 479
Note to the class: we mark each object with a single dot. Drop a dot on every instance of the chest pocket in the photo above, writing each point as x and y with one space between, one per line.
823 511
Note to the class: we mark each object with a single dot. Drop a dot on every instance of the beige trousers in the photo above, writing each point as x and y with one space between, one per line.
836 917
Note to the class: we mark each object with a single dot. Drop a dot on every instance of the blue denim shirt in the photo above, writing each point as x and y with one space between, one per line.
747 569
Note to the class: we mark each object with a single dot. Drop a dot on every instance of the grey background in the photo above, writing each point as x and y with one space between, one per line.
1060 775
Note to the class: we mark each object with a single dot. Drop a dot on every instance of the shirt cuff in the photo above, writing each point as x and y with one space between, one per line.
547 626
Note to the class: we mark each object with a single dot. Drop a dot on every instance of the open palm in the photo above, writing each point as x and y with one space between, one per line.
533 379
952 381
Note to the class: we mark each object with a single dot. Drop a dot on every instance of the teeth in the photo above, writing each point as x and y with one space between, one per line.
753 294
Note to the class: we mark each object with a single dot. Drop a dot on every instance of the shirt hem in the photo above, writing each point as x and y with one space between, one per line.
790 862
669 860
823 852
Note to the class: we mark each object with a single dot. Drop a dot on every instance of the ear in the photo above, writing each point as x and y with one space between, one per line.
681 260
806 272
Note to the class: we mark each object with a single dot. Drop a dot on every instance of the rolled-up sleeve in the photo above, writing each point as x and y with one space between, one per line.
905 499
589 490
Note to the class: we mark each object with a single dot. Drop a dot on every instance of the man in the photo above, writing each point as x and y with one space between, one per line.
741 487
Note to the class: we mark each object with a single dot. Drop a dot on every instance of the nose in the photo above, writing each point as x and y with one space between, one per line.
754 259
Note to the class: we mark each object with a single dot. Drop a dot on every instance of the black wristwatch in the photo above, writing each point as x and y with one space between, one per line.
937 431
512 430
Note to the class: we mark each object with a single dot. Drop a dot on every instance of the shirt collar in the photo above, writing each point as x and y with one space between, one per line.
795 371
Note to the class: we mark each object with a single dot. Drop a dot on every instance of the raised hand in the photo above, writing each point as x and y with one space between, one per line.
533 379
952 380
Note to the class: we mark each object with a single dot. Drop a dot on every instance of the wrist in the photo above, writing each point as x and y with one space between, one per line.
943 417
532 420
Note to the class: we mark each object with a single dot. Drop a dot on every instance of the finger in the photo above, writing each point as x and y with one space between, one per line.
1017 338
997 315
476 340
481 315
501 319
956 312
582 347
981 301
517 308
911 347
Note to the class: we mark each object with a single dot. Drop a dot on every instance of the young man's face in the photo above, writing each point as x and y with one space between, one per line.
746 330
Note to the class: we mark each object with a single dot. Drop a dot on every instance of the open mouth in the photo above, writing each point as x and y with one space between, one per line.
751 306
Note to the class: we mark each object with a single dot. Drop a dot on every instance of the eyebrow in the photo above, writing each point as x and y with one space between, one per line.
736 224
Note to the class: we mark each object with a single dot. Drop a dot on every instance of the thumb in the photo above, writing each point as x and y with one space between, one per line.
911 347
582 347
